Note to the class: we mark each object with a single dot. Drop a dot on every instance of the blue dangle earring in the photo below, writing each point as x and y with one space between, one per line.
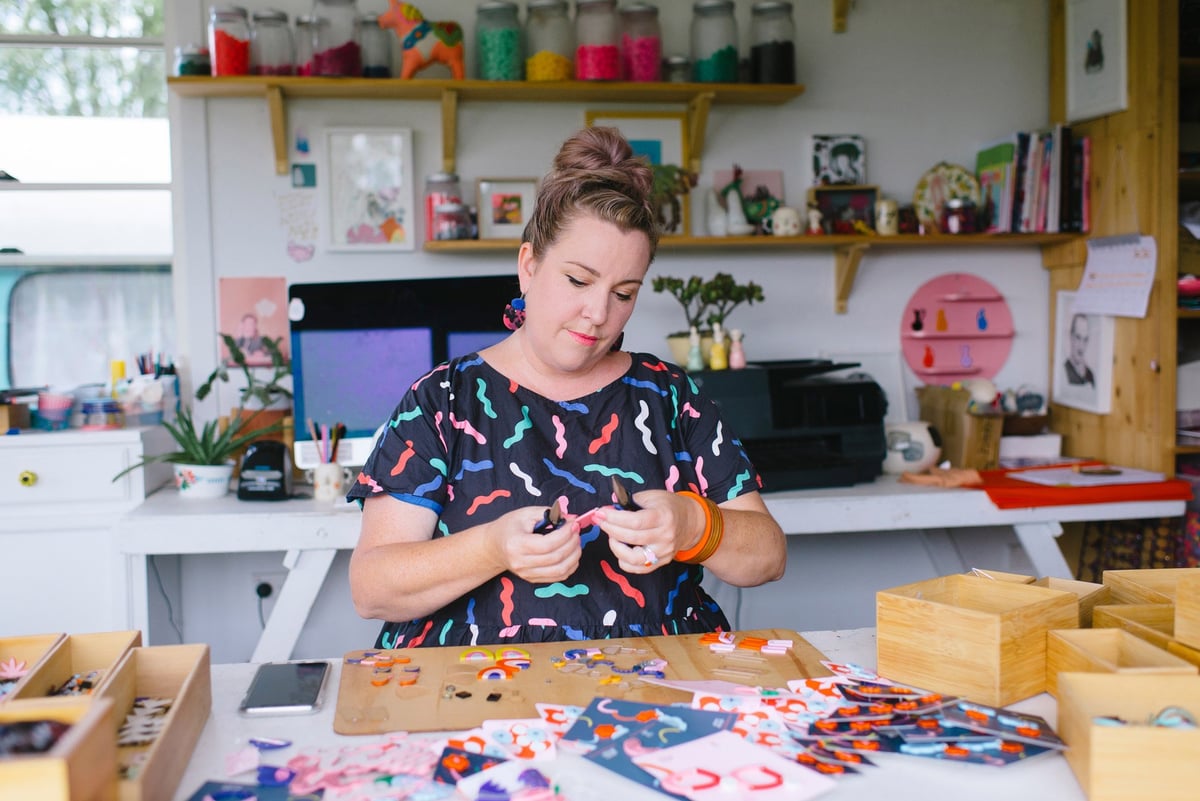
514 314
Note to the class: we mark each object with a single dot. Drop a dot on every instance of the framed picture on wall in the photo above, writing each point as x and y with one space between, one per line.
1096 55
1083 357
839 160
504 206
370 175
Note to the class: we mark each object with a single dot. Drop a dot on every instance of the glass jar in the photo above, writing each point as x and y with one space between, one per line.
336 50
596 36
548 41
304 42
192 59
714 42
441 188
641 43
270 44
101 414
451 221
772 43
677 69
958 216
376 45
229 40
498 41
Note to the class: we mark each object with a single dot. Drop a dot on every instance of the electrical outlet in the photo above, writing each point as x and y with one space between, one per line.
272 580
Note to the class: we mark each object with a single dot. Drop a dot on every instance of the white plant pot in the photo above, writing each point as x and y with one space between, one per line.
198 481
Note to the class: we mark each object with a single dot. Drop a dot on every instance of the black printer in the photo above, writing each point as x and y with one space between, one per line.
801 426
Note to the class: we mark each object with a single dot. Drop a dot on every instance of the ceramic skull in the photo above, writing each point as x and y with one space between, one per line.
785 221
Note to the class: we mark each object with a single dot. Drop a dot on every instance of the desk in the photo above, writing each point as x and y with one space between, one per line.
310 534
896 777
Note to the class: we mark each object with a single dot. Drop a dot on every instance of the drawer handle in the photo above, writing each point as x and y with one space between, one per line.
27 478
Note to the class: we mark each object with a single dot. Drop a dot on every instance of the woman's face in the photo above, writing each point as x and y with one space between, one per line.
580 295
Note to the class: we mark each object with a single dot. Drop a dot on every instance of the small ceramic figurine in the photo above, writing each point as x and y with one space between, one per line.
887 218
785 222
695 360
737 355
423 42
716 220
815 224
717 357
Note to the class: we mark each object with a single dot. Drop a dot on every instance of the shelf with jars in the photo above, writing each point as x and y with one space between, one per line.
278 90
848 249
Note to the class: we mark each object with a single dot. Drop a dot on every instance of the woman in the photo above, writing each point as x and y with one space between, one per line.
479 449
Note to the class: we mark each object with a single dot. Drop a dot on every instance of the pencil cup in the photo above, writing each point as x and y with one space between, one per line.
329 481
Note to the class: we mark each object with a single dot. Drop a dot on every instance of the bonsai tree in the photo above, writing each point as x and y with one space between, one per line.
209 445
671 183
707 302
263 392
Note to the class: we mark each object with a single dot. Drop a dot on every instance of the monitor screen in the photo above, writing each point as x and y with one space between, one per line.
358 347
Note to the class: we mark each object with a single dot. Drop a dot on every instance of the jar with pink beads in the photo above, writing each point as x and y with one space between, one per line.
596 36
641 43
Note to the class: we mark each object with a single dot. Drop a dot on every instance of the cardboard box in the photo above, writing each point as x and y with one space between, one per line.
1148 586
968 440
1187 610
1134 762
1090 595
81 766
1107 651
31 649
970 636
176 672
78 653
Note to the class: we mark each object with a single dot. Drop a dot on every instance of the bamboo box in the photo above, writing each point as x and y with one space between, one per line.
77 654
1132 762
1150 586
81 766
1187 610
1106 651
975 637
29 649
1154 623
1090 595
181 674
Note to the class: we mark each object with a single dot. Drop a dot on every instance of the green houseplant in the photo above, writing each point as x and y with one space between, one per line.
258 392
704 303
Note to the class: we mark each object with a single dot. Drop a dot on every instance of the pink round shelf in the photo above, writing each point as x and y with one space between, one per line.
956 326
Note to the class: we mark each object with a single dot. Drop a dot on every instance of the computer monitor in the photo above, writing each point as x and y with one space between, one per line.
357 347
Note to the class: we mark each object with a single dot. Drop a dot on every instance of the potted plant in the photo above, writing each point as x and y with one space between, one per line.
704 303
265 393
204 462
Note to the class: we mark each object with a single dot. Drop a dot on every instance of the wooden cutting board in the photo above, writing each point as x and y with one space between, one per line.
450 696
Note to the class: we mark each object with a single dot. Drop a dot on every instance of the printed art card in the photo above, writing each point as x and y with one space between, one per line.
250 310
839 159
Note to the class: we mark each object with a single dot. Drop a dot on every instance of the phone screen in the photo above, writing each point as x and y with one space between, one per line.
285 688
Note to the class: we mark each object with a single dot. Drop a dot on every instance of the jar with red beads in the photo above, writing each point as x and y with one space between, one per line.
641 43
336 49
596 36
270 43
229 40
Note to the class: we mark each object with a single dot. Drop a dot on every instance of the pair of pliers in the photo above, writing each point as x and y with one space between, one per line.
624 496
552 519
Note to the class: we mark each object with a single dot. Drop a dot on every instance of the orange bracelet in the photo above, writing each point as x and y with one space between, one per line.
705 547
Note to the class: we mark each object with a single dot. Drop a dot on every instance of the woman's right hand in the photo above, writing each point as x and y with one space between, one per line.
537 558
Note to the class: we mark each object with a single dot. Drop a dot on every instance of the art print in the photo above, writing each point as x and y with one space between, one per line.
369 205
1083 357
839 160
1096 56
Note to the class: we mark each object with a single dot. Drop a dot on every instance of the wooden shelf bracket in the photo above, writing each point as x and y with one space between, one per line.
277 111
449 130
697 123
846 259
840 9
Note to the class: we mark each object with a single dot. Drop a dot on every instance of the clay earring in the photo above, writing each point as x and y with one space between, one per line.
514 314
616 345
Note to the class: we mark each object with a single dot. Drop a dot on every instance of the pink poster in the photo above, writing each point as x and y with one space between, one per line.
252 310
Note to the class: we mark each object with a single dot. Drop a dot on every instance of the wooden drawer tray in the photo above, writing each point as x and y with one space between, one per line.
1146 586
1129 763
30 649
181 674
1187 610
971 636
82 765
78 653
1090 595
1106 651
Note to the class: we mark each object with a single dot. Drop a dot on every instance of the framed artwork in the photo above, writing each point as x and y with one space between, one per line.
839 160
1097 58
843 207
504 206
370 174
1083 357
658 136
249 310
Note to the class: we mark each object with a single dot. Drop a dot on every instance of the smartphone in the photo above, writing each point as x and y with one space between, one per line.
286 688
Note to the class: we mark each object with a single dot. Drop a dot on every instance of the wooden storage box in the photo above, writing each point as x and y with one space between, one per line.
30 649
1129 763
1106 651
82 765
1154 623
975 637
177 672
1156 586
1089 593
78 653
968 440
1187 610
1000 575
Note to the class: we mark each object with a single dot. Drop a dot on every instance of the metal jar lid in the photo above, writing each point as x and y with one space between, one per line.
771 5
269 15
712 5
442 178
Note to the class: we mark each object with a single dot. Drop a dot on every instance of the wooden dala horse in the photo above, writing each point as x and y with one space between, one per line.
423 42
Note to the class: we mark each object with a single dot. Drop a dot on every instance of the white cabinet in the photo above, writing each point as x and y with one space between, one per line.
58 503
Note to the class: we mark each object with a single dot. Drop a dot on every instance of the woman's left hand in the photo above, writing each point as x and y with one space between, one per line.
647 539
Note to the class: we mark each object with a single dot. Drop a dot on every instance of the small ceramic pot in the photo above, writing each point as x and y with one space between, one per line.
329 481
197 481
887 218
911 447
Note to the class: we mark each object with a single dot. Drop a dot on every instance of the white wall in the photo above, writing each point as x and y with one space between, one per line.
923 82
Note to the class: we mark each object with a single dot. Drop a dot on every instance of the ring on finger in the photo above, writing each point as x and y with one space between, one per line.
651 556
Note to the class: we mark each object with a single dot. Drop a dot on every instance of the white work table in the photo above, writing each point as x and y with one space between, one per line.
895 777
310 534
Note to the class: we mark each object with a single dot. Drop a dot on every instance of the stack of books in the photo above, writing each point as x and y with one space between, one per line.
1035 182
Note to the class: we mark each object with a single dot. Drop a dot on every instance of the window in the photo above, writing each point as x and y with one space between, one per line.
84 190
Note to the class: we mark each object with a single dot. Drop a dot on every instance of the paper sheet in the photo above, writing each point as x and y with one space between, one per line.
1101 477
1118 276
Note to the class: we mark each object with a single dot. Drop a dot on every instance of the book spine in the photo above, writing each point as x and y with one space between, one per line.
1066 165
1020 172
1086 195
